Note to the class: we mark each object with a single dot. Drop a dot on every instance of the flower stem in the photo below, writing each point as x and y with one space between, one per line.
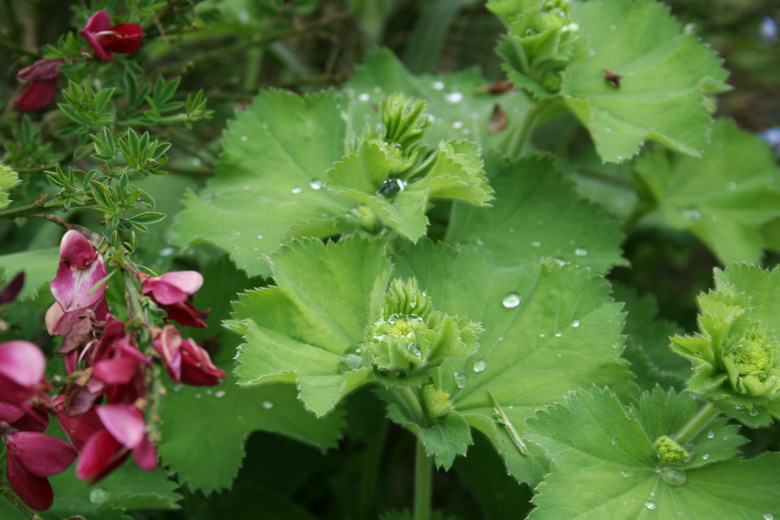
413 406
21 506
519 139
697 423
423 483
370 473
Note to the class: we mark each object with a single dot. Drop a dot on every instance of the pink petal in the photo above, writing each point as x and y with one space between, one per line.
145 455
37 96
98 22
81 267
35 491
22 362
10 413
76 250
115 371
168 343
100 453
124 422
40 454
173 287
80 428
197 367
41 70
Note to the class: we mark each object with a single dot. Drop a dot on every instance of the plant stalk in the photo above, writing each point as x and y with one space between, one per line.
519 139
697 423
423 483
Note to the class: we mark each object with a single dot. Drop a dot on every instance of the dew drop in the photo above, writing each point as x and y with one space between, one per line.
710 434
480 366
209 391
691 213
268 405
364 97
650 505
220 393
581 252
608 129
536 243
706 456
624 474
457 124
769 516
613 440
98 496
575 323
168 251
732 186
315 184
431 118
244 138
753 413
460 379
453 97
296 191
259 237
177 388
198 395
438 85
511 300
558 334
541 334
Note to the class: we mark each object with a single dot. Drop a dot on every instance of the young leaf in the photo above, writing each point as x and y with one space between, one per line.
204 430
8 179
724 197
548 329
298 332
537 215
458 104
268 181
666 72
606 466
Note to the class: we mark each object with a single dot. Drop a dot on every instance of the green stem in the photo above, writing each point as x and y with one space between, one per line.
19 211
522 133
133 298
370 473
423 483
697 423
413 405
21 506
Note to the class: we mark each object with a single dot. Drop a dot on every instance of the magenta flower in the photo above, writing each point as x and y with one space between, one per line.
81 267
22 366
123 432
184 360
42 77
30 458
170 288
103 38
167 342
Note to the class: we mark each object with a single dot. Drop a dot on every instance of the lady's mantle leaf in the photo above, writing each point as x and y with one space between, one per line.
666 75
548 329
724 197
204 429
536 214
268 181
605 466
8 179
298 331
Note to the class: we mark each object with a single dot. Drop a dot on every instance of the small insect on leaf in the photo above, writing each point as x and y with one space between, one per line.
612 78
498 120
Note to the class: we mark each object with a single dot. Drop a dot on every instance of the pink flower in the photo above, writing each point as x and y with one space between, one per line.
42 77
170 291
184 360
103 38
22 367
30 458
123 432
81 267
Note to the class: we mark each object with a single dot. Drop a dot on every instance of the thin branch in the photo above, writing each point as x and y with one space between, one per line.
93 237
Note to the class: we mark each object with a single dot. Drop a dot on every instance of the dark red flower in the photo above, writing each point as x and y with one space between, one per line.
103 38
170 291
42 77
11 291
196 366
30 458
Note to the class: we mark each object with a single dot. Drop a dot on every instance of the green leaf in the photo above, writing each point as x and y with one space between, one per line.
204 430
127 489
548 329
536 215
8 179
605 465
326 295
647 343
458 103
267 182
454 171
39 268
724 197
666 72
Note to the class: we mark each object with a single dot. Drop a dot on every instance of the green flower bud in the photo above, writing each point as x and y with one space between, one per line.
670 452
436 401
404 122
749 361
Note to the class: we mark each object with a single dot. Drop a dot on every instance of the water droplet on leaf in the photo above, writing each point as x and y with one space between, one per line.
480 366
460 379
710 434
511 300
453 97
315 184
438 85
268 405
364 97
220 393
581 252
650 505
575 323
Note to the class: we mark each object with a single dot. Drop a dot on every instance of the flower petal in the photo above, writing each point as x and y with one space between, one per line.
124 38
22 362
40 454
81 267
173 287
124 422
98 22
116 371
35 491
145 455
37 95
99 455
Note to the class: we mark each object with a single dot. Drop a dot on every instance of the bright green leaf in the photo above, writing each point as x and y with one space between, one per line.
605 465
8 179
204 429
724 197
548 329
537 214
666 75
39 268
297 332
